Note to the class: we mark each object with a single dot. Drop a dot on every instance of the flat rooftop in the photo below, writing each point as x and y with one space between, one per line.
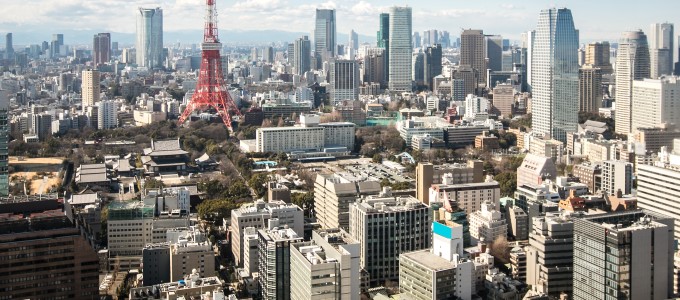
429 260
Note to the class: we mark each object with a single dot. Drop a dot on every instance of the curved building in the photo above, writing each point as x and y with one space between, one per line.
632 63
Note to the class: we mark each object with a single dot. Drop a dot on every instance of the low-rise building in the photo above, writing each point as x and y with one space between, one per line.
165 156
469 196
487 225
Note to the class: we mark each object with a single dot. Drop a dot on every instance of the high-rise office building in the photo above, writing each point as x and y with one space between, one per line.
555 74
268 54
494 52
400 44
274 261
473 53
589 89
655 103
301 55
90 87
432 64
43 256
55 46
624 255
101 48
597 56
344 81
4 142
386 227
324 36
661 44
416 40
374 67
384 42
384 32
9 47
418 68
632 63
150 37
353 40
657 190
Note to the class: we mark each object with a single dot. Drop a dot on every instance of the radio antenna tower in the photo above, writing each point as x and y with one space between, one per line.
211 89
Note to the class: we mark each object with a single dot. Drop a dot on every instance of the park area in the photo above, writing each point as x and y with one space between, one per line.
35 176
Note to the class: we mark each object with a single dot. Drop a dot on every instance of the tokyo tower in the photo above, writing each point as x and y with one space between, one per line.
211 90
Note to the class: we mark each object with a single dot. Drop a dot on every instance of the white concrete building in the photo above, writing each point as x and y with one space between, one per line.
333 195
658 188
655 102
326 268
487 225
107 114
468 196
258 216
440 272
475 105
617 175
632 63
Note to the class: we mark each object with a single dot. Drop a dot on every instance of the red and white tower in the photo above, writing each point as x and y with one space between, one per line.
211 90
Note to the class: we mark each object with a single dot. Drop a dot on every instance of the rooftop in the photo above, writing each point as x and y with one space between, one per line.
429 260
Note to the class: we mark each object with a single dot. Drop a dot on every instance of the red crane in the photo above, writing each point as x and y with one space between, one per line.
211 89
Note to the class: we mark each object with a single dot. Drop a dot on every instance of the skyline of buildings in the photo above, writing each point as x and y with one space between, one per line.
303 196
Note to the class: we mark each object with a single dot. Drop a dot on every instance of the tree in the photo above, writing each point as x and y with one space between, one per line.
304 201
377 158
258 184
507 182
499 250
214 211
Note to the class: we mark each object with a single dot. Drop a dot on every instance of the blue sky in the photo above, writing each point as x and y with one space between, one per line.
596 19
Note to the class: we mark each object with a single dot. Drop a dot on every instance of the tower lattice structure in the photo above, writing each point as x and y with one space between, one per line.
211 89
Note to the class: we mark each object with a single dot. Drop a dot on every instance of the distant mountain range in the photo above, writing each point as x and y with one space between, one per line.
241 37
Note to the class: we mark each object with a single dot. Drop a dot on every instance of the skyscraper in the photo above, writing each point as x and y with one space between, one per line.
400 49
632 63
597 55
150 37
416 40
4 140
384 32
9 48
589 89
555 74
432 63
344 77
494 52
90 87
57 42
301 55
472 53
324 36
661 41
101 48
655 103
353 40
384 42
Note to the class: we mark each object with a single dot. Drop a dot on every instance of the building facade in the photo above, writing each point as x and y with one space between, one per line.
91 88
149 46
399 54
632 63
555 74
386 227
